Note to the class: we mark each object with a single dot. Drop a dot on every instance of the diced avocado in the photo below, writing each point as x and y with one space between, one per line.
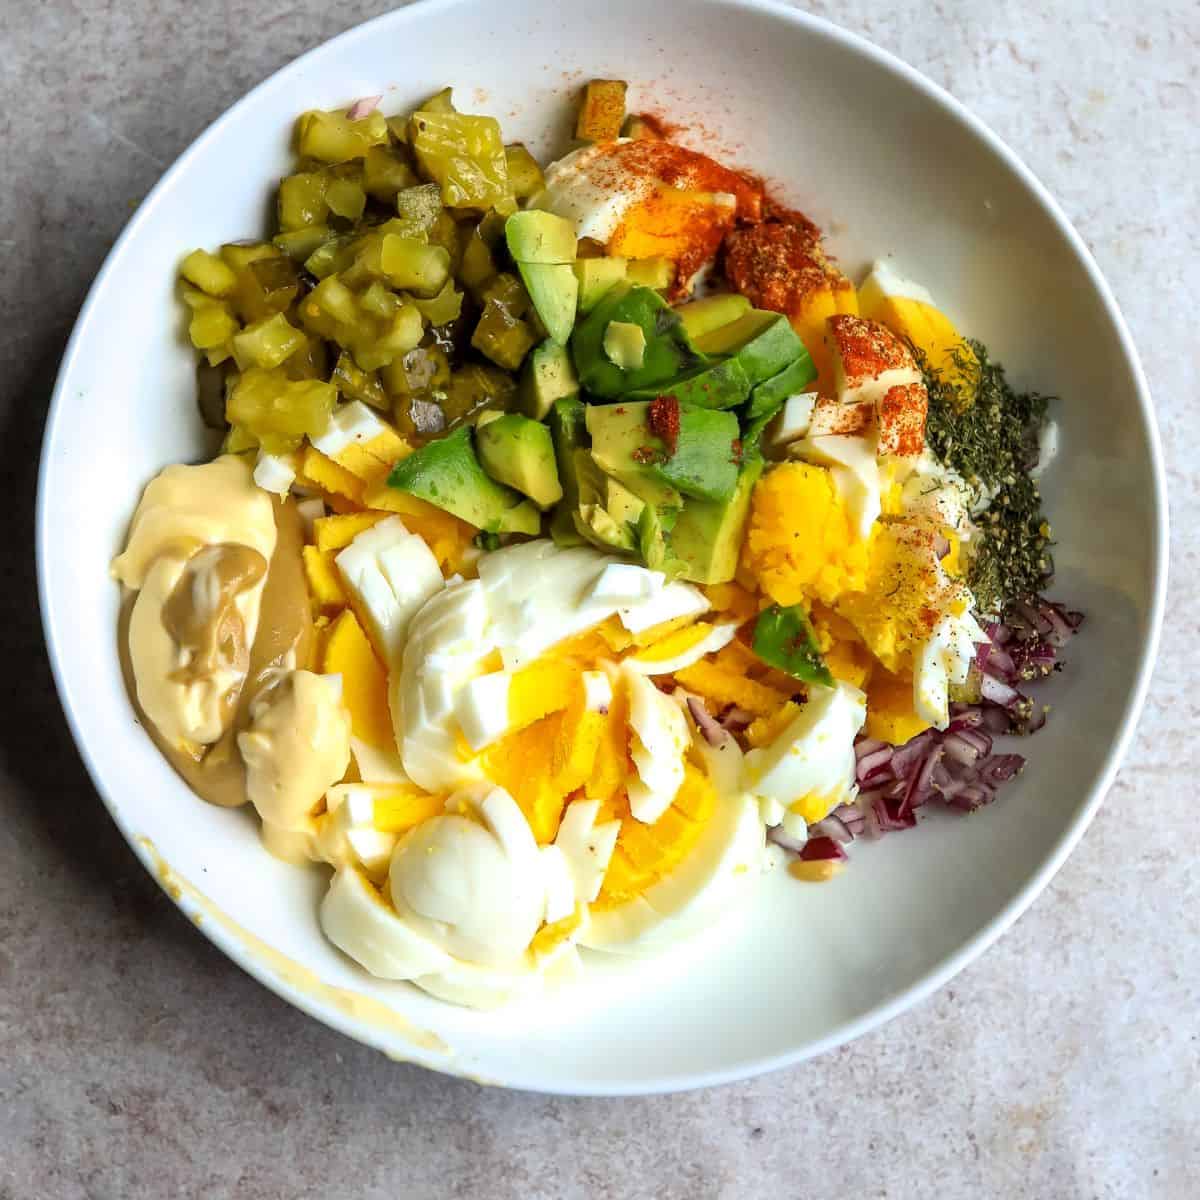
540 237
667 353
707 537
596 276
448 474
784 638
622 504
769 395
651 272
701 317
554 291
598 527
706 459
519 452
568 432
621 441
653 544
752 432
763 342
721 385
625 344
548 376
701 463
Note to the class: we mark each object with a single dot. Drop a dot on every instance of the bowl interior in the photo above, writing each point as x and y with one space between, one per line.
879 159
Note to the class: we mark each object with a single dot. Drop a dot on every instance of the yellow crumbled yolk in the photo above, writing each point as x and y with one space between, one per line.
398 808
677 642
348 653
801 543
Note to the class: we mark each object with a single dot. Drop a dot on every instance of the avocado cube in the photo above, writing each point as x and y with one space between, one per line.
554 291
720 385
447 473
568 432
657 273
706 459
769 396
540 237
622 446
763 342
703 316
707 537
597 276
519 452
548 376
667 354
784 638
625 344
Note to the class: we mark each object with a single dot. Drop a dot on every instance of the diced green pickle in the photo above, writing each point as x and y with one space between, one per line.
267 343
385 173
302 201
346 198
475 388
336 254
507 290
478 265
442 309
379 301
357 384
273 283
442 102
414 266
420 204
417 373
404 332
332 137
524 175
208 273
211 325
464 155
311 361
238 441
268 403
332 296
503 338
298 244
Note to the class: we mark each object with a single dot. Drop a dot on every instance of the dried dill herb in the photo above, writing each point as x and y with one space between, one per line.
992 442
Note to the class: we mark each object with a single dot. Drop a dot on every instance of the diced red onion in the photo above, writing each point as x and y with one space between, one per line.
736 719
831 827
363 108
997 692
710 729
821 849
785 841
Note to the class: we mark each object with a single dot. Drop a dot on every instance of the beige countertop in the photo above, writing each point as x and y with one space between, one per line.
136 1062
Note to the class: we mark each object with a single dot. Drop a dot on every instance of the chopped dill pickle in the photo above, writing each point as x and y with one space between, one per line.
442 309
238 441
208 273
298 244
211 325
440 102
463 155
346 198
335 254
502 337
272 284
385 173
478 265
415 266
311 361
266 343
602 111
215 355
420 204
474 388
416 373
302 201
250 301
357 384
509 292
266 403
524 175
333 297
332 137
379 301
402 334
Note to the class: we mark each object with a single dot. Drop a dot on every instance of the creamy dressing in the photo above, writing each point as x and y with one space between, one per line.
283 638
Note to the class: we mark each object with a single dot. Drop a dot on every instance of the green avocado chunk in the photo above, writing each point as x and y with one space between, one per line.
718 385
554 291
784 638
447 474
519 452
540 237
667 354
568 432
548 376
702 462
769 396
597 276
703 316
707 538
763 342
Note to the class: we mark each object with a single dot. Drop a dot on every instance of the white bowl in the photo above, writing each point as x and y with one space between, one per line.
892 166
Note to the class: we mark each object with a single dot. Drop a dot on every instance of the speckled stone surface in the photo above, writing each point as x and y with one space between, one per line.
136 1062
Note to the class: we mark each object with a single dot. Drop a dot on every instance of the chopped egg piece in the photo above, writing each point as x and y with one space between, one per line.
945 658
389 573
680 649
851 461
360 442
587 846
660 741
275 472
482 708
623 585
673 602
793 421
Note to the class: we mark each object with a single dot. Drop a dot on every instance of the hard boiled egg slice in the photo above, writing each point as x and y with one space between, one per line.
810 766
945 658
681 648
855 471
646 199
660 740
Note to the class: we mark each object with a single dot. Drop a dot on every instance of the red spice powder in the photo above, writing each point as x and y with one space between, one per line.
663 420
